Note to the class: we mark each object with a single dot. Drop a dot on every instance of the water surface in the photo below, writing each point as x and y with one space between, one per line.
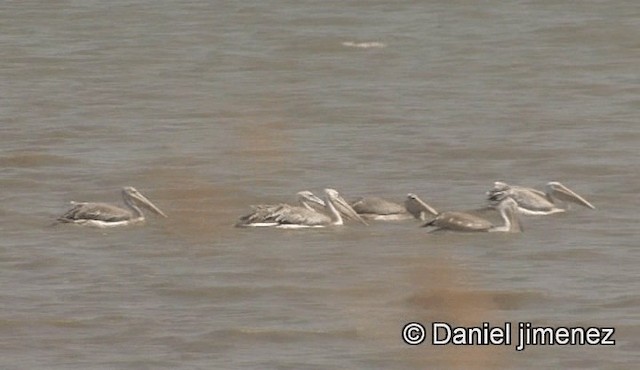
210 107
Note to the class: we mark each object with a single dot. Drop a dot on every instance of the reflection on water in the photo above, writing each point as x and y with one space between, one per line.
201 211
443 296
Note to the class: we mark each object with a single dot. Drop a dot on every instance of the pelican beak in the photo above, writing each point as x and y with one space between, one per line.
146 203
559 191
343 207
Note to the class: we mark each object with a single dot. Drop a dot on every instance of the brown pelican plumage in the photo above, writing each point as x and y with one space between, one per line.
463 221
535 202
375 208
287 216
107 215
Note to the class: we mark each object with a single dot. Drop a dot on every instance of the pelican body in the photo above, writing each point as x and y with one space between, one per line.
375 208
463 221
263 215
535 202
107 215
287 216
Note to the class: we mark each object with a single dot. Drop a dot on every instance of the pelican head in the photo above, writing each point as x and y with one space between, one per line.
499 186
335 199
418 207
131 194
305 197
496 195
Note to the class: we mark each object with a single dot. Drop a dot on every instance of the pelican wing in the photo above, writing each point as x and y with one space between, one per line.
283 214
535 191
263 213
95 211
487 213
289 215
531 200
459 221
528 200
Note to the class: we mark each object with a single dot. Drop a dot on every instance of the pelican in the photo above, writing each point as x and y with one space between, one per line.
286 216
262 215
419 207
535 202
375 208
463 221
106 215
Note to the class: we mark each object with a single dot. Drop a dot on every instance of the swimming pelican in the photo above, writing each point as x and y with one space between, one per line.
262 215
535 202
418 206
286 216
463 221
107 215
375 208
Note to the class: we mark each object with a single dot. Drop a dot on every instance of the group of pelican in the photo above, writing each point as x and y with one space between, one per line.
509 201
312 212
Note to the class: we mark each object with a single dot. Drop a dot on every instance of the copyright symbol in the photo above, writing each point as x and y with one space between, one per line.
413 333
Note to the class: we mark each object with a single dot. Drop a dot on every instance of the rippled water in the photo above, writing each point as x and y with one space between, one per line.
208 107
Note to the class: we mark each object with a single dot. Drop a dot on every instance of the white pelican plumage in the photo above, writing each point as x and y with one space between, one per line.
262 215
375 208
287 216
107 215
463 221
535 202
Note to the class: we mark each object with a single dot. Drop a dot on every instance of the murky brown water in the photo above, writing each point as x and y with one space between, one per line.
208 107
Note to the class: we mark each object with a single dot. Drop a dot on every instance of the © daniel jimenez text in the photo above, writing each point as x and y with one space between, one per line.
521 335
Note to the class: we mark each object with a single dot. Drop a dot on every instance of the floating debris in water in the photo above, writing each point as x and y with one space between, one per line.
364 45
